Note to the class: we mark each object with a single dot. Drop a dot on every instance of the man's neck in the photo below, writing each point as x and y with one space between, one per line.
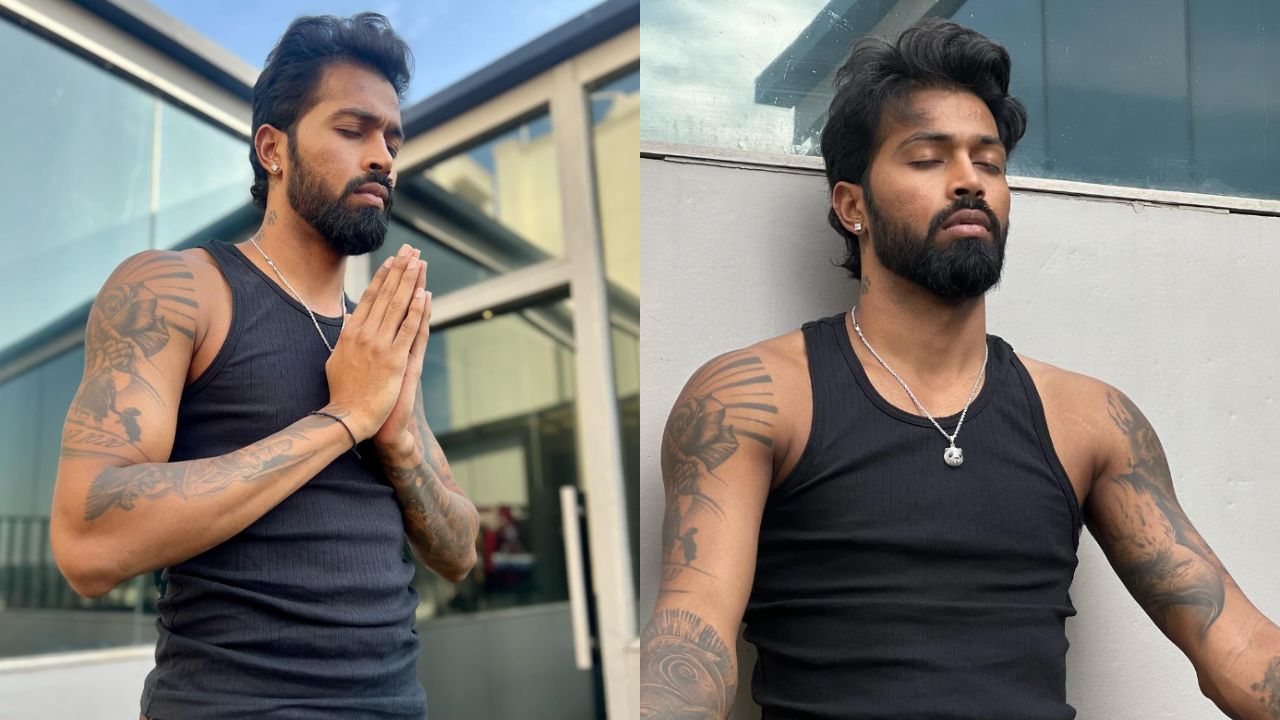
922 336
304 258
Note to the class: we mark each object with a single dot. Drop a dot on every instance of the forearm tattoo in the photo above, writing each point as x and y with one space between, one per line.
124 487
729 401
1155 549
1268 689
440 521
687 670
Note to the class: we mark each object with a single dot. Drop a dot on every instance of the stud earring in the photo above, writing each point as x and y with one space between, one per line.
275 168
857 227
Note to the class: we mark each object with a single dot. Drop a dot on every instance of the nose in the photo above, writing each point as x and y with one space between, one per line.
965 180
378 159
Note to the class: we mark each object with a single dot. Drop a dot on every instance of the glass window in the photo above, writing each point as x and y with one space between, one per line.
448 269
86 169
615 138
500 197
204 175
32 408
500 398
1147 93
78 196
76 191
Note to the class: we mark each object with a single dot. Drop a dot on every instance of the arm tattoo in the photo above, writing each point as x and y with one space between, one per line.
130 322
1156 551
124 487
1269 688
729 400
439 519
687 671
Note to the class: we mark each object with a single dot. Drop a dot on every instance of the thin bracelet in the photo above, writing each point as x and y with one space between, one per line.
344 427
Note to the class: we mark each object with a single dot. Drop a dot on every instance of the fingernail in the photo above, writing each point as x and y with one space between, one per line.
387 263
428 295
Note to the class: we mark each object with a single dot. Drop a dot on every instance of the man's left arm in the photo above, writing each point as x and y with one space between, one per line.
1173 574
439 519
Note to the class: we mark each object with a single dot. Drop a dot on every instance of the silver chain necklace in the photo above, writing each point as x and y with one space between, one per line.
342 298
952 456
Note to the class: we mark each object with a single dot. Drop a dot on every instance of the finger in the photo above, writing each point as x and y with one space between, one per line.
346 321
400 299
386 296
412 319
371 292
424 329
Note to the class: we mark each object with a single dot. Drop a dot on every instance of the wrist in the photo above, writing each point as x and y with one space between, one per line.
356 425
400 451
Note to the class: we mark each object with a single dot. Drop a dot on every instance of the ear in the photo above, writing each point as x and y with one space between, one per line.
849 204
272 147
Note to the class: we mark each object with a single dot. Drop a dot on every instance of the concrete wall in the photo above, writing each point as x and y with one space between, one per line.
1175 306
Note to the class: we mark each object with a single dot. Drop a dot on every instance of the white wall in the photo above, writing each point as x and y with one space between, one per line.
1175 306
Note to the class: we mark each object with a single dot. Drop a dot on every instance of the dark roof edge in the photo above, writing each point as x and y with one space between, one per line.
581 33
179 41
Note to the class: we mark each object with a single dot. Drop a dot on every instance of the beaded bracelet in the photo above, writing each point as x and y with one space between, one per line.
344 427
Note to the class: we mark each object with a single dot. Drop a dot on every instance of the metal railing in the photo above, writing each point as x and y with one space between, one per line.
29 578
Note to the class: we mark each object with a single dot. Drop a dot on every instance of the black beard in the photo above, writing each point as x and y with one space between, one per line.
347 230
965 269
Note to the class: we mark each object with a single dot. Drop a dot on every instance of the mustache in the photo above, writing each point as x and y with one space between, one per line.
382 179
965 202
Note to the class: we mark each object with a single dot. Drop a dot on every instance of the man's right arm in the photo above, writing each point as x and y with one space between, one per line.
119 509
717 463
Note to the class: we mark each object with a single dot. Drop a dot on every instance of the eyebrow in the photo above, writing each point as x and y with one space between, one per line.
928 136
371 118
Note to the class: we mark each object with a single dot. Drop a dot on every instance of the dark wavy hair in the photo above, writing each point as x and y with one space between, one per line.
287 87
880 77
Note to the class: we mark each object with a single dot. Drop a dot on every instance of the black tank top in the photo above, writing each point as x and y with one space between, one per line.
889 585
308 613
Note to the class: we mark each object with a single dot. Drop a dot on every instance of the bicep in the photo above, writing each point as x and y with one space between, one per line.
138 343
716 466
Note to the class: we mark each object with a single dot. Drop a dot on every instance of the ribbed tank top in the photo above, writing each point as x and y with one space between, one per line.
307 613
889 585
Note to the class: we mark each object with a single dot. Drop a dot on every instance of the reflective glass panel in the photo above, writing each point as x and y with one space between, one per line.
39 612
204 175
1149 93
500 399
500 197
76 191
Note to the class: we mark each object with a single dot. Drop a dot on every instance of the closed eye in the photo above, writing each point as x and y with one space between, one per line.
348 133
924 163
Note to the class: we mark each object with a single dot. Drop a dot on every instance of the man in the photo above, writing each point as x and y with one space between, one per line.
224 392
890 498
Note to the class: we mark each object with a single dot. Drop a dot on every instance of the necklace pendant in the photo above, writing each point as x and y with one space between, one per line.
953 456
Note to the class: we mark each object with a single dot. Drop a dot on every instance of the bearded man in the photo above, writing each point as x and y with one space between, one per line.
890 498
262 444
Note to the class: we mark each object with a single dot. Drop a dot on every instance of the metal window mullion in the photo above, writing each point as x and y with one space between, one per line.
599 444
514 289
